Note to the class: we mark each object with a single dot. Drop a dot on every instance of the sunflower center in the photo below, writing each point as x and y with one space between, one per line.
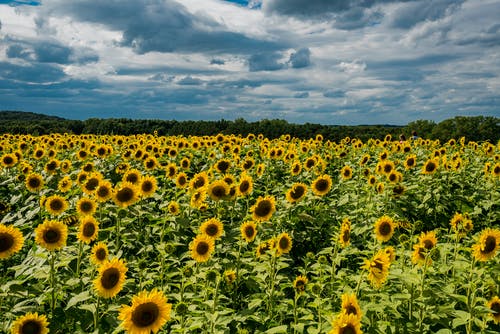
31 327
346 235
347 173
6 242
249 231
350 309
297 192
284 243
385 229
219 191
56 205
51 166
428 244
430 167
348 329
263 208
145 314
110 278
489 244
410 162
92 184
86 206
102 192
51 236
100 254
244 186
495 307
182 180
387 168
212 230
147 186
200 182
88 230
202 248
321 185
124 195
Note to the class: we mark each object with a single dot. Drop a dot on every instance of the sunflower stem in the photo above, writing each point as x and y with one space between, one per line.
52 284
271 284
79 259
295 317
96 313
470 297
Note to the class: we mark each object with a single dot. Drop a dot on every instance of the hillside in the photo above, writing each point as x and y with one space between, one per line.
26 116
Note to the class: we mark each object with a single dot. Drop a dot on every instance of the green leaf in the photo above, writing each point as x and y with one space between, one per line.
278 329
85 295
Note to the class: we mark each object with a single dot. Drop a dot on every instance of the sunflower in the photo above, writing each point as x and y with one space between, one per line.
52 166
86 206
202 247
345 233
185 163
198 198
30 323
132 176
56 205
265 247
263 208
218 190
364 159
487 245
148 185
248 231
378 268
346 173
299 284
296 193
245 186
430 166
428 240
198 181
261 168
91 183
391 252
4 207
494 306
321 185
104 191
386 167
346 324
495 171
222 166
99 253
283 243
81 177
148 313
125 195
461 223
295 168
110 279
8 160
88 229
171 170
65 184
350 305
34 182
384 228
410 162
51 235
248 163
380 187
212 228
11 241
150 163
230 276
38 153
173 208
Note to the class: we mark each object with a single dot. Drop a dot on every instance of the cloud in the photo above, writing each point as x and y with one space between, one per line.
301 58
334 93
190 81
217 61
35 73
301 95
265 62
409 15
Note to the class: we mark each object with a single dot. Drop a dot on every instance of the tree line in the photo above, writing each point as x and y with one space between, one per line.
477 128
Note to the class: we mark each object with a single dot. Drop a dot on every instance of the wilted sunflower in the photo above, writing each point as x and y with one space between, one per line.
86 206
283 243
181 181
30 323
487 245
56 205
430 166
201 248
321 185
296 193
494 305
148 313
350 305
384 228
345 233
230 276
346 173
299 284
378 268
104 191
346 324
11 241
125 194
245 186
248 231
51 235
99 253
34 182
110 279
218 190
148 185
212 228
88 229
263 208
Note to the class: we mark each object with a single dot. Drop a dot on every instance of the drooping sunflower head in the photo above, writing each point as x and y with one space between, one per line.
487 245
34 182
321 185
99 253
111 277
263 208
212 228
88 229
218 190
86 206
296 193
30 323
11 241
51 235
350 305
494 305
299 284
384 228
56 205
283 243
125 194
148 185
201 248
148 313
248 231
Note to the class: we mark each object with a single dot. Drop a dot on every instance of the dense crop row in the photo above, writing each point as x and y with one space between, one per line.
226 234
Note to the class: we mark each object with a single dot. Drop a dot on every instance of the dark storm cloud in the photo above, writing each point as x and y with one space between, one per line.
163 26
265 62
301 58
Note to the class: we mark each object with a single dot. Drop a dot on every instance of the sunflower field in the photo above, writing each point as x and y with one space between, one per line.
229 234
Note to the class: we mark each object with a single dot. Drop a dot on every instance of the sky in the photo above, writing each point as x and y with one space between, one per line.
305 61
